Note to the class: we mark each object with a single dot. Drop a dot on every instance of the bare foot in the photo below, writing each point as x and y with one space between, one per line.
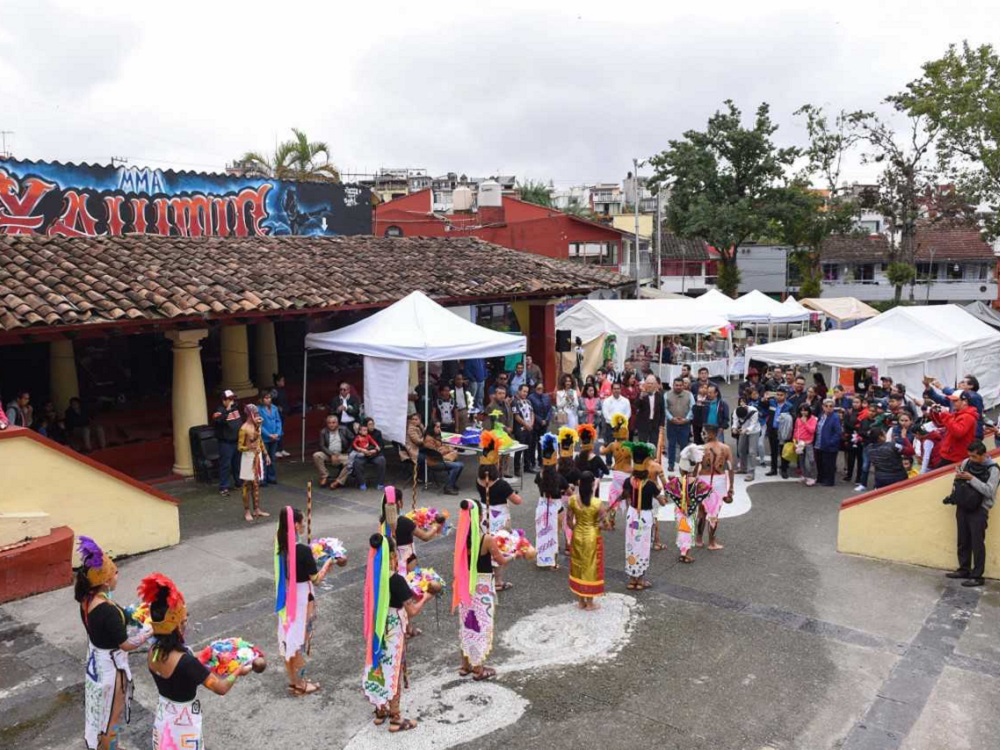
262 514
698 543
582 605
714 546
247 517
593 605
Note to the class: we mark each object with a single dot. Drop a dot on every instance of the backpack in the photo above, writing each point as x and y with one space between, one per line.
964 495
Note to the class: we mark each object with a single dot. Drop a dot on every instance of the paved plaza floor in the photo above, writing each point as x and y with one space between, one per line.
776 642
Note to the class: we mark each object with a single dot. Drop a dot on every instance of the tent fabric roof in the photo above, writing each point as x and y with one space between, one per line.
648 317
417 328
755 306
946 322
716 300
792 304
984 313
841 309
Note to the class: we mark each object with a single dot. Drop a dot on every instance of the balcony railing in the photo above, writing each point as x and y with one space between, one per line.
939 290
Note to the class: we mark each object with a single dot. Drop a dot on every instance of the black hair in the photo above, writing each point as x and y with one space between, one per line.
375 541
487 471
974 383
978 447
275 377
81 585
412 558
549 482
172 641
818 379
281 537
586 487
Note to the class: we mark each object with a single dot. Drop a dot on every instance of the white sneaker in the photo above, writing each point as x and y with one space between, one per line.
860 488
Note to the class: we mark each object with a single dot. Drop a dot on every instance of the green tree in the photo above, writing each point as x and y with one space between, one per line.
908 175
807 216
575 207
538 193
296 159
959 96
724 183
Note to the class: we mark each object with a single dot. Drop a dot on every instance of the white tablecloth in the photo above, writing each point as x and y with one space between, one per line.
717 369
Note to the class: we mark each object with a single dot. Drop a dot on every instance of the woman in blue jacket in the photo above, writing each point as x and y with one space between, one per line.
271 432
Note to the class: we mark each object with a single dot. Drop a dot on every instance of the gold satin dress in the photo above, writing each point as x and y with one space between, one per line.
587 551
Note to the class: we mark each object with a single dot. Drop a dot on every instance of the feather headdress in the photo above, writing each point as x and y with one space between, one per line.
567 437
99 566
620 426
491 448
587 435
549 449
642 452
156 587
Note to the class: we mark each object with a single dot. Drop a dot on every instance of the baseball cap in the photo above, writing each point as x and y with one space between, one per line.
886 377
964 396
228 394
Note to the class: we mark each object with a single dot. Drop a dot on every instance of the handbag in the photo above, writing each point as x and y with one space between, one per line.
789 452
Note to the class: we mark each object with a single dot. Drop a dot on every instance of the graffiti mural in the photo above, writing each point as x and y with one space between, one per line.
84 200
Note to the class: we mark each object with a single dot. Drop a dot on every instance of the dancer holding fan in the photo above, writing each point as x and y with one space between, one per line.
176 671
389 605
108 683
295 575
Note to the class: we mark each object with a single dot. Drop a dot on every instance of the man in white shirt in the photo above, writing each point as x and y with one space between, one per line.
614 404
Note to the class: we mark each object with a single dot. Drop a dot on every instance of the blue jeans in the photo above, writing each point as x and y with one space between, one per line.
229 465
863 477
270 472
454 470
677 438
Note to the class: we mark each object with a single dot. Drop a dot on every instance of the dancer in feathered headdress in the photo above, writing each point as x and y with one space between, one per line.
553 487
176 671
587 459
489 456
295 574
107 685
389 603
474 561
587 551
639 515
622 463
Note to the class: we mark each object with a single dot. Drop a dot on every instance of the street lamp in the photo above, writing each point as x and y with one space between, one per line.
637 163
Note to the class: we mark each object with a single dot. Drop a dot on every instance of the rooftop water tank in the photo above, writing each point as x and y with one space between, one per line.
490 194
462 199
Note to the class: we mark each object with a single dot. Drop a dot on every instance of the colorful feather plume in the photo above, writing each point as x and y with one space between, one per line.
151 586
618 420
567 436
489 442
587 434
548 443
91 554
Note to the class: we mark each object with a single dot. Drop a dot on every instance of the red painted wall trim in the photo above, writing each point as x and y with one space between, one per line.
920 479
21 432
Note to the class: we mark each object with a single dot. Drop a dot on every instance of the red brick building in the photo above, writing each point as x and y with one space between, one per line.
514 224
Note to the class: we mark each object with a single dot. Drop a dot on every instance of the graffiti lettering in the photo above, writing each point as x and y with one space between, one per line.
78 200
76 220
16 208
136 180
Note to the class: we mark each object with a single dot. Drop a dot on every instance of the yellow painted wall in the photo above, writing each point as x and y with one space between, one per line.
911 525
123 518
627 223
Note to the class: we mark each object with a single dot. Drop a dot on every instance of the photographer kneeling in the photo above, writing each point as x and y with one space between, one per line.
973 492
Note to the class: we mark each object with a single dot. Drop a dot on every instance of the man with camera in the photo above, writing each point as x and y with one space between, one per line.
973 492
959 428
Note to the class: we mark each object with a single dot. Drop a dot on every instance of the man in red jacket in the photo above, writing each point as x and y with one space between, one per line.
959 427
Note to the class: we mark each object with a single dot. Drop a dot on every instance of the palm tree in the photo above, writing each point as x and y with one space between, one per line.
535 192
296 159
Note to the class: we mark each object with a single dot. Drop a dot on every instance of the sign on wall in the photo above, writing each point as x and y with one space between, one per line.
82 200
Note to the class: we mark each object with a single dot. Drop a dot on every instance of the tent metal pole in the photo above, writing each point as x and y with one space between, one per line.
305 370
427 408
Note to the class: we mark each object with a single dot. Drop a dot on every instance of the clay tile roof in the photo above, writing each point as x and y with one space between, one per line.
92 280
854 248
674 247
952 243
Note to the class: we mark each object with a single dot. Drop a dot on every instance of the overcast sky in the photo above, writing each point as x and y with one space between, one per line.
568 91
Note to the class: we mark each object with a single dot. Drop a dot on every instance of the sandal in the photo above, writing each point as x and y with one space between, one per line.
463 672
381 714
505 586
307 688
396 724
685 559
485 673
633 586
658 546
645 585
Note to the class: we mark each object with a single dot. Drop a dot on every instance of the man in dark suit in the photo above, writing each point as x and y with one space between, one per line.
827 443
649 411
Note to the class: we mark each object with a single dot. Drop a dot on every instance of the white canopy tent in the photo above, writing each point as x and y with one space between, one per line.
416 328
715 300
793 305
593 319
758 307
844 311
905 343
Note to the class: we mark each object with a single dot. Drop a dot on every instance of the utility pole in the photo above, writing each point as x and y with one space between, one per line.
636 218
656 272
4 153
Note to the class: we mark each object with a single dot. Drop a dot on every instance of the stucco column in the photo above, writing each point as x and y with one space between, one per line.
63 383
542 341
187 396
265 352
235 355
